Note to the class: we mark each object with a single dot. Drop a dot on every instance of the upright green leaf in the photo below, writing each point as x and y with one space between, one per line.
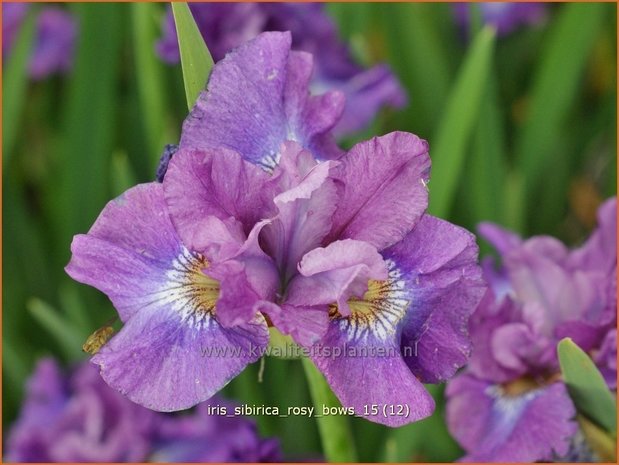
419 52
196 60
81 181
65 335
15 84
335 435
488 163
450 142
562 63
149 75
587 387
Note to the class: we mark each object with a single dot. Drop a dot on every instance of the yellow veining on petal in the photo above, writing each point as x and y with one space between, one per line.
380 309
202 290
189 291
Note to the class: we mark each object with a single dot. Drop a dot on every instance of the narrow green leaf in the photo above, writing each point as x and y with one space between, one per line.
65 335
420 55
15 84
81 181
149 74
562 63
587 387
77 313
335 434
123 176
457 124
487 164
196 60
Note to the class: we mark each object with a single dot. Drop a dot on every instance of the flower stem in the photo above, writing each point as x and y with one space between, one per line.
335 434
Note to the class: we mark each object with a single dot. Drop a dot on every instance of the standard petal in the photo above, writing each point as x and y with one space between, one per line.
305 207
245 109
437 267
363 366
384 192
495 426
335 273
129 251
215 182
166 361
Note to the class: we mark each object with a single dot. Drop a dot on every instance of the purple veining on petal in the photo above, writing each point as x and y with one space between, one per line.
226 26
495 426
541 293
255 101
168 305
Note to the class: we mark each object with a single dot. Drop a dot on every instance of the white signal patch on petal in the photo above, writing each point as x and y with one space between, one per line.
379 311
189 291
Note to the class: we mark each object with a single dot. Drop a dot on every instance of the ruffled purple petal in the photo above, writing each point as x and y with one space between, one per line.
491 314
606 358
216 182
166 360
437 269
493 426
305 206
335 273
130 251
362 363
226 26
245 106
599 252
538 275
384 192
168 304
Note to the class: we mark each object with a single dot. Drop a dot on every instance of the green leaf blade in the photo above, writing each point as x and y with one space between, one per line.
15 85
196 60
458 122
562 64
586 386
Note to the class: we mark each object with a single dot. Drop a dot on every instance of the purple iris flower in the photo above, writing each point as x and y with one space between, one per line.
256 223
78 418
225 26
54 42
506 17
510 405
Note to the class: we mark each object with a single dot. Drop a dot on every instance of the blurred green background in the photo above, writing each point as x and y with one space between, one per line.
522 131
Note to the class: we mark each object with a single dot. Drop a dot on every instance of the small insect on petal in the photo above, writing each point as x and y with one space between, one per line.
98 339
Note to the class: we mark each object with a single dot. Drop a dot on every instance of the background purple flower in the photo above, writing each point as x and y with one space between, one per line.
78 418
54 40
506 17
227 25
541 293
